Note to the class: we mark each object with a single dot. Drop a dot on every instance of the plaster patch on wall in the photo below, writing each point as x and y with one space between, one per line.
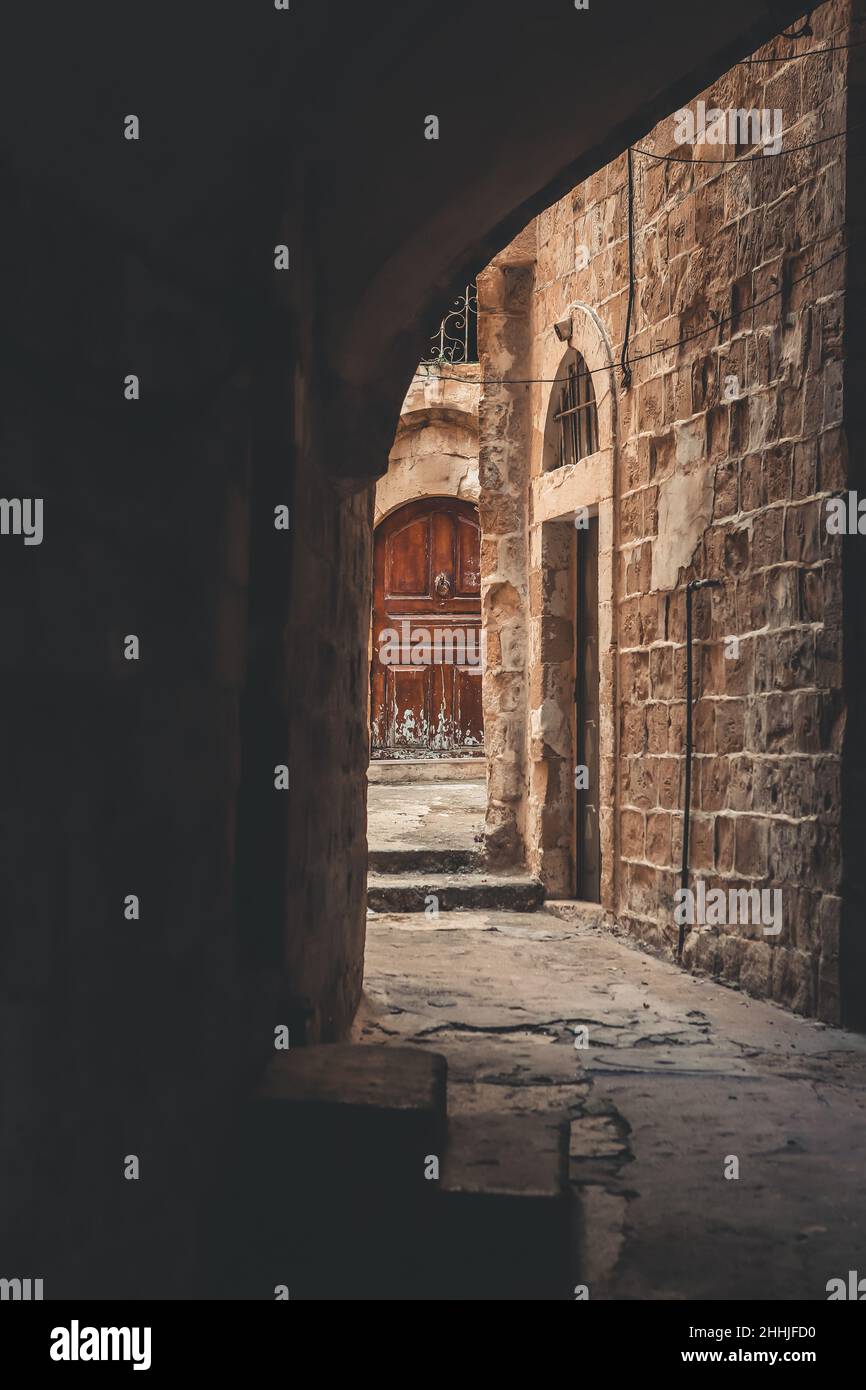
685 509
550 730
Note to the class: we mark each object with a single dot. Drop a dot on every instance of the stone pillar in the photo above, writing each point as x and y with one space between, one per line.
550 813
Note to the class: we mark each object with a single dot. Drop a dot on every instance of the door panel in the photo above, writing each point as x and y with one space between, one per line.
467 699
409 692
468 558
425 673
409 561
442 526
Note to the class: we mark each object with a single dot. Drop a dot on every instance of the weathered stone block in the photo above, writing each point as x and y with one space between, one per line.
752 846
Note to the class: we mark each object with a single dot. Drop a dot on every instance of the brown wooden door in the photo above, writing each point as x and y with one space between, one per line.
425 675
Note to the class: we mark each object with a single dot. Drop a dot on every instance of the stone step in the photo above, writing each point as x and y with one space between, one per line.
340 1081
396 771
505 1224
453 892
327 1194
578 913
423 861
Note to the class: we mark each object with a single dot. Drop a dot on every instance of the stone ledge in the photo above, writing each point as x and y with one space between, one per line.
392 1079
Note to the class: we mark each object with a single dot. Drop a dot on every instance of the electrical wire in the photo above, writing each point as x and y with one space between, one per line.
665 347
626 359
810 53
748 158
624 362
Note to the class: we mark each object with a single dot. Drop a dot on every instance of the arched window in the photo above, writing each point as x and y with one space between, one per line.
575 412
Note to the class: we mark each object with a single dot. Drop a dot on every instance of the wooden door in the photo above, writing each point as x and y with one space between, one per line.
425 675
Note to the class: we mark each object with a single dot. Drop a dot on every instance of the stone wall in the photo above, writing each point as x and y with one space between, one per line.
328 680
129 1034
851 962
727 447
504 295
435 451
121 1034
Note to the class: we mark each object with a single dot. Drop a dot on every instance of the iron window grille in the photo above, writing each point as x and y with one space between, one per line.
577 414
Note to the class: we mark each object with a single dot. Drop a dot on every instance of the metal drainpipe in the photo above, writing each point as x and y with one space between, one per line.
687 793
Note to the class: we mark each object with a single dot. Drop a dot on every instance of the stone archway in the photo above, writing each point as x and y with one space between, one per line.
435 449
262 388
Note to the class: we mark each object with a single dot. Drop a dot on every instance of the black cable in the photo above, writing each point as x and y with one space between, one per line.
692 585
624 363
748 158
810 53
666 347
687 789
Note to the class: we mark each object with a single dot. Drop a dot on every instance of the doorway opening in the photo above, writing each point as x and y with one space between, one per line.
427 793
425 667
587 849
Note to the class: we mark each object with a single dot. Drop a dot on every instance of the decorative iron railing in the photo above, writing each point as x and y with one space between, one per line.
456 339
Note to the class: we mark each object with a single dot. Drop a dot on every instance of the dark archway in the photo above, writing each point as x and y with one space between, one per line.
260 388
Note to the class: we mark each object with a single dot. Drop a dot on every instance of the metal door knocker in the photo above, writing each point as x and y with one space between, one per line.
442 585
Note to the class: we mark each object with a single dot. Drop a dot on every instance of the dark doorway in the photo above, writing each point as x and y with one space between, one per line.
587 844
425 670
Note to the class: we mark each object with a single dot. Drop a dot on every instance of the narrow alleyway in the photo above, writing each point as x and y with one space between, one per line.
679 1076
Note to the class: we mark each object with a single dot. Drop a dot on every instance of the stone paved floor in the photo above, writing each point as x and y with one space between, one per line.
679 1074
418 816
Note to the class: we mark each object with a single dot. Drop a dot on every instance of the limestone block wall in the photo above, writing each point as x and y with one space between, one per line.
327 672
718 461
435 451
851 961
504 297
